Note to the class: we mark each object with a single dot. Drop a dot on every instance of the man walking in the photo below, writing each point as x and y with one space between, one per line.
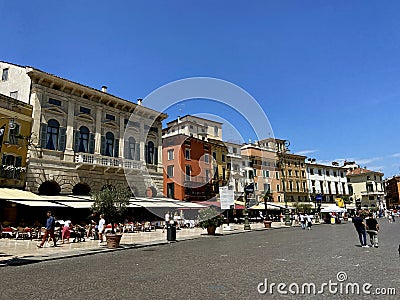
372 229
359 224
102 227
50 225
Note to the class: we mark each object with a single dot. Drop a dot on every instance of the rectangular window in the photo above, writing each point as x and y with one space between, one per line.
207 175
215 155
187 172
277 188
266 173
312 182
327 173
290 172
297 173
319 172
4 77
341 174
110 117
234 150
334 174
223 174
14 95
303 174
277 175
84 110
206 158
267 187
170 171
12 136
187 153
170 154
311 171
223 157
54 101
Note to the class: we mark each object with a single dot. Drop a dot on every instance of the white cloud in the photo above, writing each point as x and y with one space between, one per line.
305 152
395 155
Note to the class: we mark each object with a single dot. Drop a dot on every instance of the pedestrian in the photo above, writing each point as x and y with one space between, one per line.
372 229
92 222
393 219
101 228
359 224
309 221
302 221
50 225
66 233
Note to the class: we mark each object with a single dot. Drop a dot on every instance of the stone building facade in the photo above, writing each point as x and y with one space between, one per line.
84 139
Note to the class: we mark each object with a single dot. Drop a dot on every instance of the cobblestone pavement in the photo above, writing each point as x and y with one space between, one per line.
25 251
236 266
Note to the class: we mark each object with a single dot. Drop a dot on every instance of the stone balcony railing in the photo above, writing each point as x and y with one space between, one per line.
106 161
371 193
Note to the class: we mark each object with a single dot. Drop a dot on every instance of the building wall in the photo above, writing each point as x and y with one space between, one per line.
17 81
359 182
58 99
14 147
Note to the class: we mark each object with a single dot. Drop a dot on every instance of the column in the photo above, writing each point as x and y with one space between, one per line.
142 141
121 135
97 135
69 143
36 115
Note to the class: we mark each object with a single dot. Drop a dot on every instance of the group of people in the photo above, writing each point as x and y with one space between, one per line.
305 221
368 225
95 229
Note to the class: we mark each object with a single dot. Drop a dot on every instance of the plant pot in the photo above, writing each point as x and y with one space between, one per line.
211 230
267 224
113 240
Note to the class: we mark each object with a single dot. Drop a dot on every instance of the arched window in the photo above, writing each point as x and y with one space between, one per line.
150 152
83 139
131 148
53 128
109 144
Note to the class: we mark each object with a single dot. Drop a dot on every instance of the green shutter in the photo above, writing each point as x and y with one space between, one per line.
146 155
103 145
43 134
91 143
116 148
155 155
137 151
62 139
18 161
126 153
76 140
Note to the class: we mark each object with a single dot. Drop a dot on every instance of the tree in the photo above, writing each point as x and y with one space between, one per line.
303 207
112 203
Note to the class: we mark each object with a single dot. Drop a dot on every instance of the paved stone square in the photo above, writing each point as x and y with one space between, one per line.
234 266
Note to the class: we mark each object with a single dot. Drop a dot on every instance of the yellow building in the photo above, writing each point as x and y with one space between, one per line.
220 167
15 133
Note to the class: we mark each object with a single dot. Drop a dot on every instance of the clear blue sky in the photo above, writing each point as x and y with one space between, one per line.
326 73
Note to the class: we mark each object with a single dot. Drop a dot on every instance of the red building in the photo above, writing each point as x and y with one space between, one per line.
187 168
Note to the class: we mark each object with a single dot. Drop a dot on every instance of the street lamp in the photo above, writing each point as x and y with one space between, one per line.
11 122
281 157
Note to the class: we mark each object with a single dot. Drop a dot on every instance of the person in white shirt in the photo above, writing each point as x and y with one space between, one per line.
302 221
101 228
309 222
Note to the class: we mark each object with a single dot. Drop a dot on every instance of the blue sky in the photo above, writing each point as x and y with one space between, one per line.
326 73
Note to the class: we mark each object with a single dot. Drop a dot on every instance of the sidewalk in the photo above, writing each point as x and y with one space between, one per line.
17 252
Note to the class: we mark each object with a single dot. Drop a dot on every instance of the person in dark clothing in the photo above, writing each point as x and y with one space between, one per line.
50 225
359 224
372 229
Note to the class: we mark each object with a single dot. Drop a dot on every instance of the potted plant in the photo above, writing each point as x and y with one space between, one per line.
112 203
210 218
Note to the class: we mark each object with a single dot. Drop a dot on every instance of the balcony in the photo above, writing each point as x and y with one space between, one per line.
372 193
87 160
195 181
11 173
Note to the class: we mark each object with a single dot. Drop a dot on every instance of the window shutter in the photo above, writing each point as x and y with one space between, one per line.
43 135
137 151
4 159
62 139
103 145
91 143
76 140
126 153
116 148
146 154
155 156
18 161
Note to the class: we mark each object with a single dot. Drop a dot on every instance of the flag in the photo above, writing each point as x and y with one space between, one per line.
2 131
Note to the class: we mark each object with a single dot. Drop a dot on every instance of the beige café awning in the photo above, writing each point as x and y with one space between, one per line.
25 198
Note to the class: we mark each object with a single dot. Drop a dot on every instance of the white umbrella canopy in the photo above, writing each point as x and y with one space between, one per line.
335 209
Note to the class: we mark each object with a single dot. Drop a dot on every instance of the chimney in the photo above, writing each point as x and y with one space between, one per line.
139 101
104 89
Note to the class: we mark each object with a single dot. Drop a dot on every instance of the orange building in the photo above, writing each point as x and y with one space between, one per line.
187 168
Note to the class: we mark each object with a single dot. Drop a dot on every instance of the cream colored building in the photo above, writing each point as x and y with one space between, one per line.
84 138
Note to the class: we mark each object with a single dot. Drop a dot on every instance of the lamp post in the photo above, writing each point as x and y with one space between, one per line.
248 189
11 125
281 157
